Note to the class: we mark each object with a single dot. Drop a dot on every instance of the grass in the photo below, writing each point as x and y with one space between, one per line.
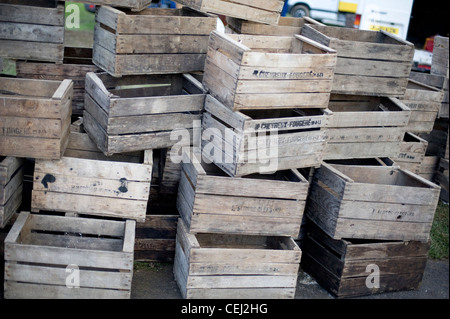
440 233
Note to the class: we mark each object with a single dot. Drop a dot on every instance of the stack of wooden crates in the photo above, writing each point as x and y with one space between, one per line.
239 156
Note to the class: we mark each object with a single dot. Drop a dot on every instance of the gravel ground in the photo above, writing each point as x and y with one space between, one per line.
159 283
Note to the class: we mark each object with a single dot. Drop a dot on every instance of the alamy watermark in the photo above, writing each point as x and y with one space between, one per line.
373 280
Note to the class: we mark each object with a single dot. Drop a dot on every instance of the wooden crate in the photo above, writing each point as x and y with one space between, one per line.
344 266
365 127
153 41
370 202
85 181
77 62
411 153
209 201
369 62
34 117
147 115
266 72
267 11
437 81
11 187
224 266
33 32
441 178
246 142
440 60
425 102
429 167
155 238
287 26
43 254
169 173
133 5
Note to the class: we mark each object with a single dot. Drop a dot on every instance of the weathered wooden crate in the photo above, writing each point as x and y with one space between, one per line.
135 113
153 41
437 81
155 238
440 60
133 5
246 142
169 173
287 26
429 167
368 62
34 117
209 201
85 181
61 257
425 102
411 153
353 268
224 266
267 11
365 126
33 31
441 179
369 202
11 187
266 72
77 62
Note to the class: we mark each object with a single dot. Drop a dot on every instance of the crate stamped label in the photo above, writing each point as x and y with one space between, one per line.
262 74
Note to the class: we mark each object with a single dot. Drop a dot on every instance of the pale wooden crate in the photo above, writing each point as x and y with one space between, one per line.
224 266
11 187
133 5
266 72
425 103
40 249
85 181
411 153
341 266
248 141
136 113
287 26
441 179
34 117
267 11
209 201
368 62
365 126
77 62
370 202
153 41
440 60
155 238
33 31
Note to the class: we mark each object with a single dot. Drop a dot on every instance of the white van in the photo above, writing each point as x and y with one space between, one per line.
388 15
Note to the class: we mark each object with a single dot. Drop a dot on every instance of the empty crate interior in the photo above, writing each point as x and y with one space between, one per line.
232 241
28 88
359 103
281 44
182 12
135 86
380 175
78 233
282 175
348 34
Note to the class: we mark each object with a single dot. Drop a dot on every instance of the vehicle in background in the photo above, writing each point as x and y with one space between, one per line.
388 15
